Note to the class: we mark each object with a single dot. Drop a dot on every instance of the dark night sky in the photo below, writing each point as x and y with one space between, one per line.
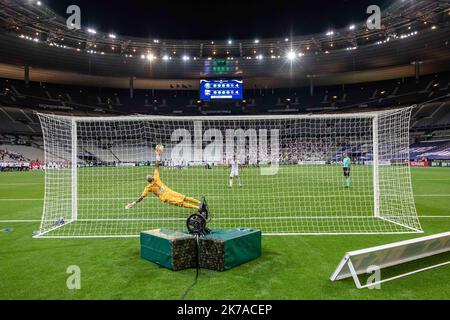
218 19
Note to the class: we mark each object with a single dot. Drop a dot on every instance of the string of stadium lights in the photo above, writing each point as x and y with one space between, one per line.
289 54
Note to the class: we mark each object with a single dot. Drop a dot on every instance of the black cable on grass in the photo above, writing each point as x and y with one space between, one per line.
197 271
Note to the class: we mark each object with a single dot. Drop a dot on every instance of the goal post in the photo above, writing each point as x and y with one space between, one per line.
74 168
376 163
289 180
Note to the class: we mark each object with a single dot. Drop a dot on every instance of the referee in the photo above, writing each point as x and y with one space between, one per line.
346 163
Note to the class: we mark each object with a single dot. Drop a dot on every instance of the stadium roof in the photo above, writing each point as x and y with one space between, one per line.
215 20
35 35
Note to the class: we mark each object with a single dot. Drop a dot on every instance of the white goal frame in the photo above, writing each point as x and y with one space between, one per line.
74 122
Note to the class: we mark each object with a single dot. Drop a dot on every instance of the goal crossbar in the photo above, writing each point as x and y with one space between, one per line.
144 117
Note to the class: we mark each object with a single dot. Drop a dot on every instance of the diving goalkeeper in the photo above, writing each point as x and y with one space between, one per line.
164 193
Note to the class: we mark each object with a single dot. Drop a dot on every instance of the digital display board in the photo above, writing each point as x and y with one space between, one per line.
221 89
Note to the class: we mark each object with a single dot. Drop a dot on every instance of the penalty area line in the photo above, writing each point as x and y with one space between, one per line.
433 217
250 218
331 197
18 221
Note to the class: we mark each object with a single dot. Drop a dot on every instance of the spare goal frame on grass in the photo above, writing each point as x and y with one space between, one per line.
360 262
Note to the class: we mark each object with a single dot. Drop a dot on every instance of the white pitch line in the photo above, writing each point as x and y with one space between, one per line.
242 218
216 218
24 199
246 196
432 195
431 179
18 221
23 184
432 217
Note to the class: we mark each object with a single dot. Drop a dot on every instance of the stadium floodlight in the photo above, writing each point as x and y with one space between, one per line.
91 31
112 36
330 33
256 41
293 181
230 42
291 55
150 57
165 57
352 27
259 57
186 58
39 3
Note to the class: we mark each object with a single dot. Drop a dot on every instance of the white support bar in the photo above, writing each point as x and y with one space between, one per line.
74 168
404 275
376 163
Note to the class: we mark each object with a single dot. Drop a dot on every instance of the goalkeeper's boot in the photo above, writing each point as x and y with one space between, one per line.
206 231
204 208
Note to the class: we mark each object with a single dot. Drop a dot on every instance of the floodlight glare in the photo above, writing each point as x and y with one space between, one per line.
290 55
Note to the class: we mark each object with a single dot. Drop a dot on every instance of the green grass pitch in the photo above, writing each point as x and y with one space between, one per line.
292 267
300 199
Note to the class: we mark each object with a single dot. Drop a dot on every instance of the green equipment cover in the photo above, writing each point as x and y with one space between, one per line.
220 250
224 249
170 249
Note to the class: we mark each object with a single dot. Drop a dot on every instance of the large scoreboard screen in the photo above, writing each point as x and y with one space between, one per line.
221 89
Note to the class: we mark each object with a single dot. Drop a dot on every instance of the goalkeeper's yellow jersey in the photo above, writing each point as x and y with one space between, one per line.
157 187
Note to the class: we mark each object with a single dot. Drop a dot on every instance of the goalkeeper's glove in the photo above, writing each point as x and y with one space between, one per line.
130 205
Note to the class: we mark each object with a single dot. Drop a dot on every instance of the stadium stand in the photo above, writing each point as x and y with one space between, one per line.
403 64
421 149
430 121
382 94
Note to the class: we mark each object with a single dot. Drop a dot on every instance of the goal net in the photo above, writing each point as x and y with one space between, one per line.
289 180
